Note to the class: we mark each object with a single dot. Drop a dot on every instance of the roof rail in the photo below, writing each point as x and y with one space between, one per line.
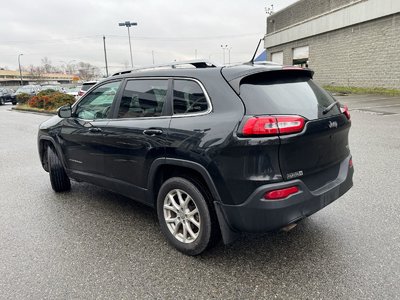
198 64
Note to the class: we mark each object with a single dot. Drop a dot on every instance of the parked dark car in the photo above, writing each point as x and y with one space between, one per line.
216 150
7 95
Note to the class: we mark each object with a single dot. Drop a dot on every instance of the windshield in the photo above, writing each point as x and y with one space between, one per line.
73 89
24 89
51 87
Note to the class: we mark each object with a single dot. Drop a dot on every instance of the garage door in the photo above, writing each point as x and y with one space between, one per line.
277 57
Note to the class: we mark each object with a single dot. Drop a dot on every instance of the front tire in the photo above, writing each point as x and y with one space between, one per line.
58 178
2 101
185 217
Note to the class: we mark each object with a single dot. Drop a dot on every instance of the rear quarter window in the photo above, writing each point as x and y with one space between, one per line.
285 93
189 97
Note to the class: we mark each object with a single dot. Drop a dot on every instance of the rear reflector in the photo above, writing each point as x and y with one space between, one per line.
281 194
273 125
345 110
351 163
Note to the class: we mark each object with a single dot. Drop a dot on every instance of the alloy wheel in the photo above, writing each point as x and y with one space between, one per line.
182 216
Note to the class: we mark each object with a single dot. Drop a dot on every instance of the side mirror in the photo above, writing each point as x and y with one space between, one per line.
65 111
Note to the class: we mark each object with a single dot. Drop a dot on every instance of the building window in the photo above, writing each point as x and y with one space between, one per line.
277 57
301 56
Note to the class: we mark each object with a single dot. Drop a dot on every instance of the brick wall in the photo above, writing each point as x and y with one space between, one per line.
300 11
365 55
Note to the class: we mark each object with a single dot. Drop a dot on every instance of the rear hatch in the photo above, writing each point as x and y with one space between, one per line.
288 103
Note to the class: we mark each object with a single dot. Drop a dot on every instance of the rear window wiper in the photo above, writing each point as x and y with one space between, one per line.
332 105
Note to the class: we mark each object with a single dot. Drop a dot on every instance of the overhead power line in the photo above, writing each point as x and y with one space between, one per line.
155 38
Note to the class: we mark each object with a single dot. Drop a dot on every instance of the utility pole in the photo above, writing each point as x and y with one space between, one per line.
105 54
152 54
19 64
129 24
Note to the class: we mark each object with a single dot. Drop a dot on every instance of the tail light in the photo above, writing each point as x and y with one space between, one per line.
345 110
80 93
281 193
272 125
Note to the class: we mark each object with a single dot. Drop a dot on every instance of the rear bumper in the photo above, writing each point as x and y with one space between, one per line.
259 215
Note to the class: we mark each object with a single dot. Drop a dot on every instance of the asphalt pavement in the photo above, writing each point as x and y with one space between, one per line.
90 243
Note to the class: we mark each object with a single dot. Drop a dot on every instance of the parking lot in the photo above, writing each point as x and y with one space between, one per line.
91 243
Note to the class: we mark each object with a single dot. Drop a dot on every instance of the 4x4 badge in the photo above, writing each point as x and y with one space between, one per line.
294 175
333 124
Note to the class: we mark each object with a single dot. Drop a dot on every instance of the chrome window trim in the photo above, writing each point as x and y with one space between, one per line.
127 79
92 88
206 112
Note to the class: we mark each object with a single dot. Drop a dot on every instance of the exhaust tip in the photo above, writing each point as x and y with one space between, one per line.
289 227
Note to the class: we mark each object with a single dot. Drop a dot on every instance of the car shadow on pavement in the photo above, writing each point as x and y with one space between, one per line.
136 226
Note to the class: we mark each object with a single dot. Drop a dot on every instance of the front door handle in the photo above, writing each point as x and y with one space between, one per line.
95 129
152 132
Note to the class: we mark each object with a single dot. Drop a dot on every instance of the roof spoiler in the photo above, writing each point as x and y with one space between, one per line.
235 83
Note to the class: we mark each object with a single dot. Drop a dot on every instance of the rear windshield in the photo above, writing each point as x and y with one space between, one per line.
285 93
87 86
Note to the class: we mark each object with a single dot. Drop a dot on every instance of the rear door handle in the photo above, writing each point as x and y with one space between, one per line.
95 129
152 132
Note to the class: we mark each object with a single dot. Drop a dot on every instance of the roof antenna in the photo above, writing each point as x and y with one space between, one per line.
255 52
269 11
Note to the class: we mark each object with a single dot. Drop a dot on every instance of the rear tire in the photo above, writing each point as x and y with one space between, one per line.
185 217
14 103
58 178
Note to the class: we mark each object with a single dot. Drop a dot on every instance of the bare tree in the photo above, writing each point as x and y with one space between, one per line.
46 63
70 68
86 71
35 72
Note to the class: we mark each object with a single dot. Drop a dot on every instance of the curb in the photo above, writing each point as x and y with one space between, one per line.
27 110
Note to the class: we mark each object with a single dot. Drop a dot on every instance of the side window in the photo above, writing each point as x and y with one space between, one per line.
97 104
188 97
143 98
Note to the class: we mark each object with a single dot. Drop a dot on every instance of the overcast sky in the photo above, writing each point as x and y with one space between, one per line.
71 30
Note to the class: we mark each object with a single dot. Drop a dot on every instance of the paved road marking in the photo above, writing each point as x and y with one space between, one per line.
378 106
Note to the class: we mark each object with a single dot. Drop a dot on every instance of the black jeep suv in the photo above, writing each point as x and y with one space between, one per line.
216 150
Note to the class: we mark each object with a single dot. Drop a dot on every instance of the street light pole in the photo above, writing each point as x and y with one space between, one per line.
19 64
105 54
129 24
224 47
